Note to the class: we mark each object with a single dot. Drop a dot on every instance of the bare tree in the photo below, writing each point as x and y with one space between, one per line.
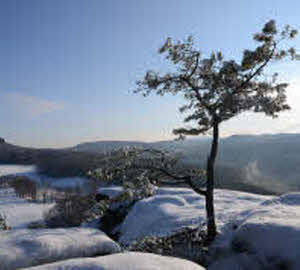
216 90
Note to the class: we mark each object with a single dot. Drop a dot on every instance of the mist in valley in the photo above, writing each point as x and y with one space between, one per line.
256 163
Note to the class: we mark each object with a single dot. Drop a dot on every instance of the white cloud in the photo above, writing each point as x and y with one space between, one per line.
29 105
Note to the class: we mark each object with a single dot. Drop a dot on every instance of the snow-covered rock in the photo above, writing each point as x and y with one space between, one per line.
174 208
123 261
267 237
25 248
19 212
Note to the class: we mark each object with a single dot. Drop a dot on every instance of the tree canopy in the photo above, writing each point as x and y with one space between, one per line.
216 89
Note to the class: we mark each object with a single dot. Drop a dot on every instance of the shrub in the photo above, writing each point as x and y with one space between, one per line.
187 243
70 211
36 225
3 223
24 187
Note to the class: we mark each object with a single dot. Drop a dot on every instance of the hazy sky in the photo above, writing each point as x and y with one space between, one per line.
68 67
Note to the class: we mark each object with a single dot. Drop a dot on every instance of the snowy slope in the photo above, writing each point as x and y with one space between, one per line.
24 248
16 169
19 212
64 182
173 208
123 261
32 173
267 236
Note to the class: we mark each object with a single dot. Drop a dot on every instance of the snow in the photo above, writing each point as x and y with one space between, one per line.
19 212
123 261
51 182
266 236
16 169
111 191
171 209
32 173
24 248
256 232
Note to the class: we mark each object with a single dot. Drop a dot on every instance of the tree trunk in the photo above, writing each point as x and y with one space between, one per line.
210 212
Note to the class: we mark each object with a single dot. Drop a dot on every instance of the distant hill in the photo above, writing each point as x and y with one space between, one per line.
12 154
266 160
104 146
52 162
270 162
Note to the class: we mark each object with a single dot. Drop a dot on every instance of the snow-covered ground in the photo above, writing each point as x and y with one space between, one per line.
266 237
32 173
16 169
20 247
58 183
19 212
256 232
171 209
124 261
24 248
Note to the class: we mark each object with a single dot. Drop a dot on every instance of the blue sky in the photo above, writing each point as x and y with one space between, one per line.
68 67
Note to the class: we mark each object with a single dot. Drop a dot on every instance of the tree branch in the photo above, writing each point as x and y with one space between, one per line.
195 188
187 179
258 70
196 65
181 180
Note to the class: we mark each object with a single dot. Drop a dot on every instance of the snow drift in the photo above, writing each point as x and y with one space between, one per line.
124 261
268 237
174 208
24 248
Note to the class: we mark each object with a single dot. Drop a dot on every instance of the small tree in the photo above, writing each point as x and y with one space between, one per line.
138 170
217 90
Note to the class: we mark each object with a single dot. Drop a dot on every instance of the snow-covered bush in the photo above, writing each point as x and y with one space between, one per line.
3 223
137 170
127 168
187 243
124 167
70 211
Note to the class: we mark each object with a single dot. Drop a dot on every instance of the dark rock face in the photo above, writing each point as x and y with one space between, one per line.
100 197
113 217
2 140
